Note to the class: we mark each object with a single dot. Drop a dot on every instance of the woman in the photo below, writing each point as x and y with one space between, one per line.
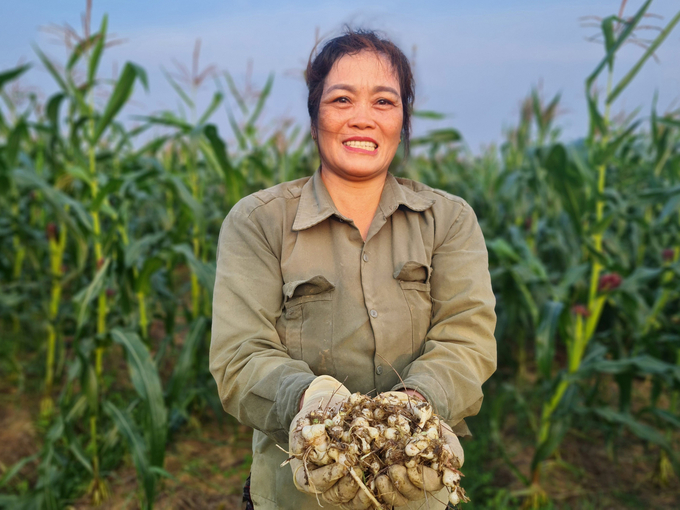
349 273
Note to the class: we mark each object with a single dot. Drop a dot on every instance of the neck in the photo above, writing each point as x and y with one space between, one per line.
356 199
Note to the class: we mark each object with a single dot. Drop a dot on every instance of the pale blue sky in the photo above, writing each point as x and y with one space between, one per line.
475 61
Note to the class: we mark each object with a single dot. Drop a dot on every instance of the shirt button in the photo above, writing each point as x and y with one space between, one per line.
378 370
374 313
365 257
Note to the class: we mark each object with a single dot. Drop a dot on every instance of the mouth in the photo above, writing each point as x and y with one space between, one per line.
364 144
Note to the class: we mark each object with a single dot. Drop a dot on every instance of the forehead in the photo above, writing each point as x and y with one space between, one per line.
366 68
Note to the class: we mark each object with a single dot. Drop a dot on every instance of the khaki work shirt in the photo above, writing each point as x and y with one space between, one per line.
298 294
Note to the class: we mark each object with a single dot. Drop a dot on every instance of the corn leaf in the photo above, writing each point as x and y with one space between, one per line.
638 65
625 33
51 69
137 447
261 100
93 64
185 366
545 336
145 379
214 104
121 93
85 297
13 74
204 272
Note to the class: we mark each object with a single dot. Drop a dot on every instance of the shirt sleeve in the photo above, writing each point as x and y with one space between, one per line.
258 382
459 352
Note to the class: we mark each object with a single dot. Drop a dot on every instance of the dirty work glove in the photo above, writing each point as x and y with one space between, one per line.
396 487
332 479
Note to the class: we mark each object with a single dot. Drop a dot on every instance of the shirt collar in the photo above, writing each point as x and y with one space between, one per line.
316 203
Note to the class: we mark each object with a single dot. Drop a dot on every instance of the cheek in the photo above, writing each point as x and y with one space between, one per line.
329 119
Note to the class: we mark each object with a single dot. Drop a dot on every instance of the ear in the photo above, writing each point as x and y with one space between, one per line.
314 133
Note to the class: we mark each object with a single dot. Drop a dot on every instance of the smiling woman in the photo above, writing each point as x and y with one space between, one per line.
327 278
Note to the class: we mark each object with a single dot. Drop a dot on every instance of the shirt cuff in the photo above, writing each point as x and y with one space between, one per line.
288 397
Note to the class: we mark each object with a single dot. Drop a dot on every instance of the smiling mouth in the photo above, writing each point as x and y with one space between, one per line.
367 146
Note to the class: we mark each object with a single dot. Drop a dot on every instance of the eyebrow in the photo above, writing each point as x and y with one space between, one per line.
350 88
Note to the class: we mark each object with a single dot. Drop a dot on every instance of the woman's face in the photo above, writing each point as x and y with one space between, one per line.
360 117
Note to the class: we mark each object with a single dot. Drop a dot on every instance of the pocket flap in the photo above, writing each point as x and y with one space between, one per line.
413 271
310 287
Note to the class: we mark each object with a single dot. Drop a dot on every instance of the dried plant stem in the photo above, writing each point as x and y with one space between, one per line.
363 487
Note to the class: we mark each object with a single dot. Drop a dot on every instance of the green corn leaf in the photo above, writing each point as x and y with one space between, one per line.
59 202
601 226
93 64
78 51
137 447
641 430
185 196
672 205
180 92
558 429
214 105
52 109
147 383
149 268
638 65
261 100
234 92
438 136
669 418
218 153
568 183
136 251
609 39
112 186
166 119
613 146
16 468
13 74
428 114
545 336
669 122
77 410
205 272
91 291
51 69
625 33
80 456
185 366
13 147
597 122
79 173
502 249
121 93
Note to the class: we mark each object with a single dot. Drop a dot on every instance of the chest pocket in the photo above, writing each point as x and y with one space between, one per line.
414 280
306 324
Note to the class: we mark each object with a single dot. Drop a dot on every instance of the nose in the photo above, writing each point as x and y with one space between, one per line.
362 116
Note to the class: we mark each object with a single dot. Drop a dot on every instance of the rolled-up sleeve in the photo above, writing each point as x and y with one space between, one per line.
459 352
258 382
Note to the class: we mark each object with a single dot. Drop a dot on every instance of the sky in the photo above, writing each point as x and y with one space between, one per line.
474 61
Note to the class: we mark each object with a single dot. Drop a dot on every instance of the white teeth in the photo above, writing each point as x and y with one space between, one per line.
369 146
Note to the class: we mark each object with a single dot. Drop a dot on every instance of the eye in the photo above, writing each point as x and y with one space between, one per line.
384 102
342 100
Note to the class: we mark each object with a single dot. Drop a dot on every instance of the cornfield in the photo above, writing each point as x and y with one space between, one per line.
107 250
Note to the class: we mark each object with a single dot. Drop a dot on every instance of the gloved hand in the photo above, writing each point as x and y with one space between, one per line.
333 480
397 487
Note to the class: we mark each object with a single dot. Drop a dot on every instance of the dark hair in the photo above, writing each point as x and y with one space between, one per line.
351 43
